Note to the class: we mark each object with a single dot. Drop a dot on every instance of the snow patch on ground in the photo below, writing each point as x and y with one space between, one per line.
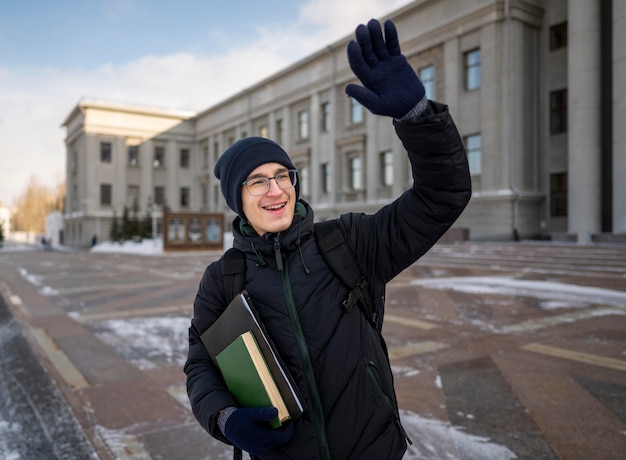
551 293
147 341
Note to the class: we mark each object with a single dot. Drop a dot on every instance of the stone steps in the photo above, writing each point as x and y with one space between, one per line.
593 260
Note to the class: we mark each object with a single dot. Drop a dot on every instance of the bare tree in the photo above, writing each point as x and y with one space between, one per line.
32 206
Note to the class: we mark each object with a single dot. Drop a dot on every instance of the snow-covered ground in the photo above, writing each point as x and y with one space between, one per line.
145 247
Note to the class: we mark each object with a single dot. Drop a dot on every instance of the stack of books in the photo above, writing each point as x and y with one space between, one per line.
252 370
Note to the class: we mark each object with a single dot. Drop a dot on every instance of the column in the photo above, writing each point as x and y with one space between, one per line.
584 151
619 116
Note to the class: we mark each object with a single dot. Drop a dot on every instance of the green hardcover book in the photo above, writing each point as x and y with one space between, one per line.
248 377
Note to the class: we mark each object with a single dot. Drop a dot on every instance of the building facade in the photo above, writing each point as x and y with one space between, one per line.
534 87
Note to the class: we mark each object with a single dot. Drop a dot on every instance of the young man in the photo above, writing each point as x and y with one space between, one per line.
334 355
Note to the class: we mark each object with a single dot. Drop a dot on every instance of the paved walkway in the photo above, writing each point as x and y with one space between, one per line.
499 350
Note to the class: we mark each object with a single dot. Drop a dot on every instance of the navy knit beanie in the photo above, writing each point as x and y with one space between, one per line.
240 159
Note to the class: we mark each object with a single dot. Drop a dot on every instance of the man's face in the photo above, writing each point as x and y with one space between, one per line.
273 211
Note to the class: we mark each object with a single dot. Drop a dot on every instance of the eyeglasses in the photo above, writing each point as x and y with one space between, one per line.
260 185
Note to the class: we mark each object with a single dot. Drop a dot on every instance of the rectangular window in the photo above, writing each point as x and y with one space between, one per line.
133 155
472 69
216 151
263 131
356 173
325 117
386 168
427 76
204 189
184 197
558 195
105 152
159 195
356 112
159 157
558 111
558 36
473 146
184 158
303 124
132 196
205 156
327 179
303 180
279 131
105 194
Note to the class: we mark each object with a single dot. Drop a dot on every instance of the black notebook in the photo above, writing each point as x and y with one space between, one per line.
238 318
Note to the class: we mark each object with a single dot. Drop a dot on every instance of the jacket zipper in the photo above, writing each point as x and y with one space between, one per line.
316 402
396 416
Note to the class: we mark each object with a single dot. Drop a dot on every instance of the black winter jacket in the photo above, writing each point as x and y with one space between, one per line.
336 357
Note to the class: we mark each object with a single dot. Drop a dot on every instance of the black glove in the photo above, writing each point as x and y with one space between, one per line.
248 429
390 85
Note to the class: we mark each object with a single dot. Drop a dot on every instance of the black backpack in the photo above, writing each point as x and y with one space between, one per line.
334 249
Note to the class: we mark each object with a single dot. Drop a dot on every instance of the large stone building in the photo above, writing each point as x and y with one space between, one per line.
535 87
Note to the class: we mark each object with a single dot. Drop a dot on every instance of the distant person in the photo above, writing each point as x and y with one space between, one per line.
94 240
46 244
334 355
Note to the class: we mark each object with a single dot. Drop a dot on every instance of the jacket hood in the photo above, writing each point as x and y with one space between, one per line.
248 241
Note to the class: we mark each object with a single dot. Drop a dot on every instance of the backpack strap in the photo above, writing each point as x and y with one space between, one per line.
233 273
335 251
233 277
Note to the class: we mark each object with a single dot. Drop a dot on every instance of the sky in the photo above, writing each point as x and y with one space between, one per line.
184 55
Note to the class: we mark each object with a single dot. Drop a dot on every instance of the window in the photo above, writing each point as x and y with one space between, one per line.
184 158
327 179
216 151
472 69
184 197
105 194
558 195
473 146
356 112
205 156
74 161
386 168
427 75
159 157
133 155
132 195
279 131
558 36
303 180
356 173
303 124
263 131
159 195
105 152
325 117
558 111
204 190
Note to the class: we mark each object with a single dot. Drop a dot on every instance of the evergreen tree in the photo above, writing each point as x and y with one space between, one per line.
115 228
135 224
127 230
146 226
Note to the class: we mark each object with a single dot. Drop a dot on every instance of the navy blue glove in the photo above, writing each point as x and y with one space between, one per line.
390 85
248 429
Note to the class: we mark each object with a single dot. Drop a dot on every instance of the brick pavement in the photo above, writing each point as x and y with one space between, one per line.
507 360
